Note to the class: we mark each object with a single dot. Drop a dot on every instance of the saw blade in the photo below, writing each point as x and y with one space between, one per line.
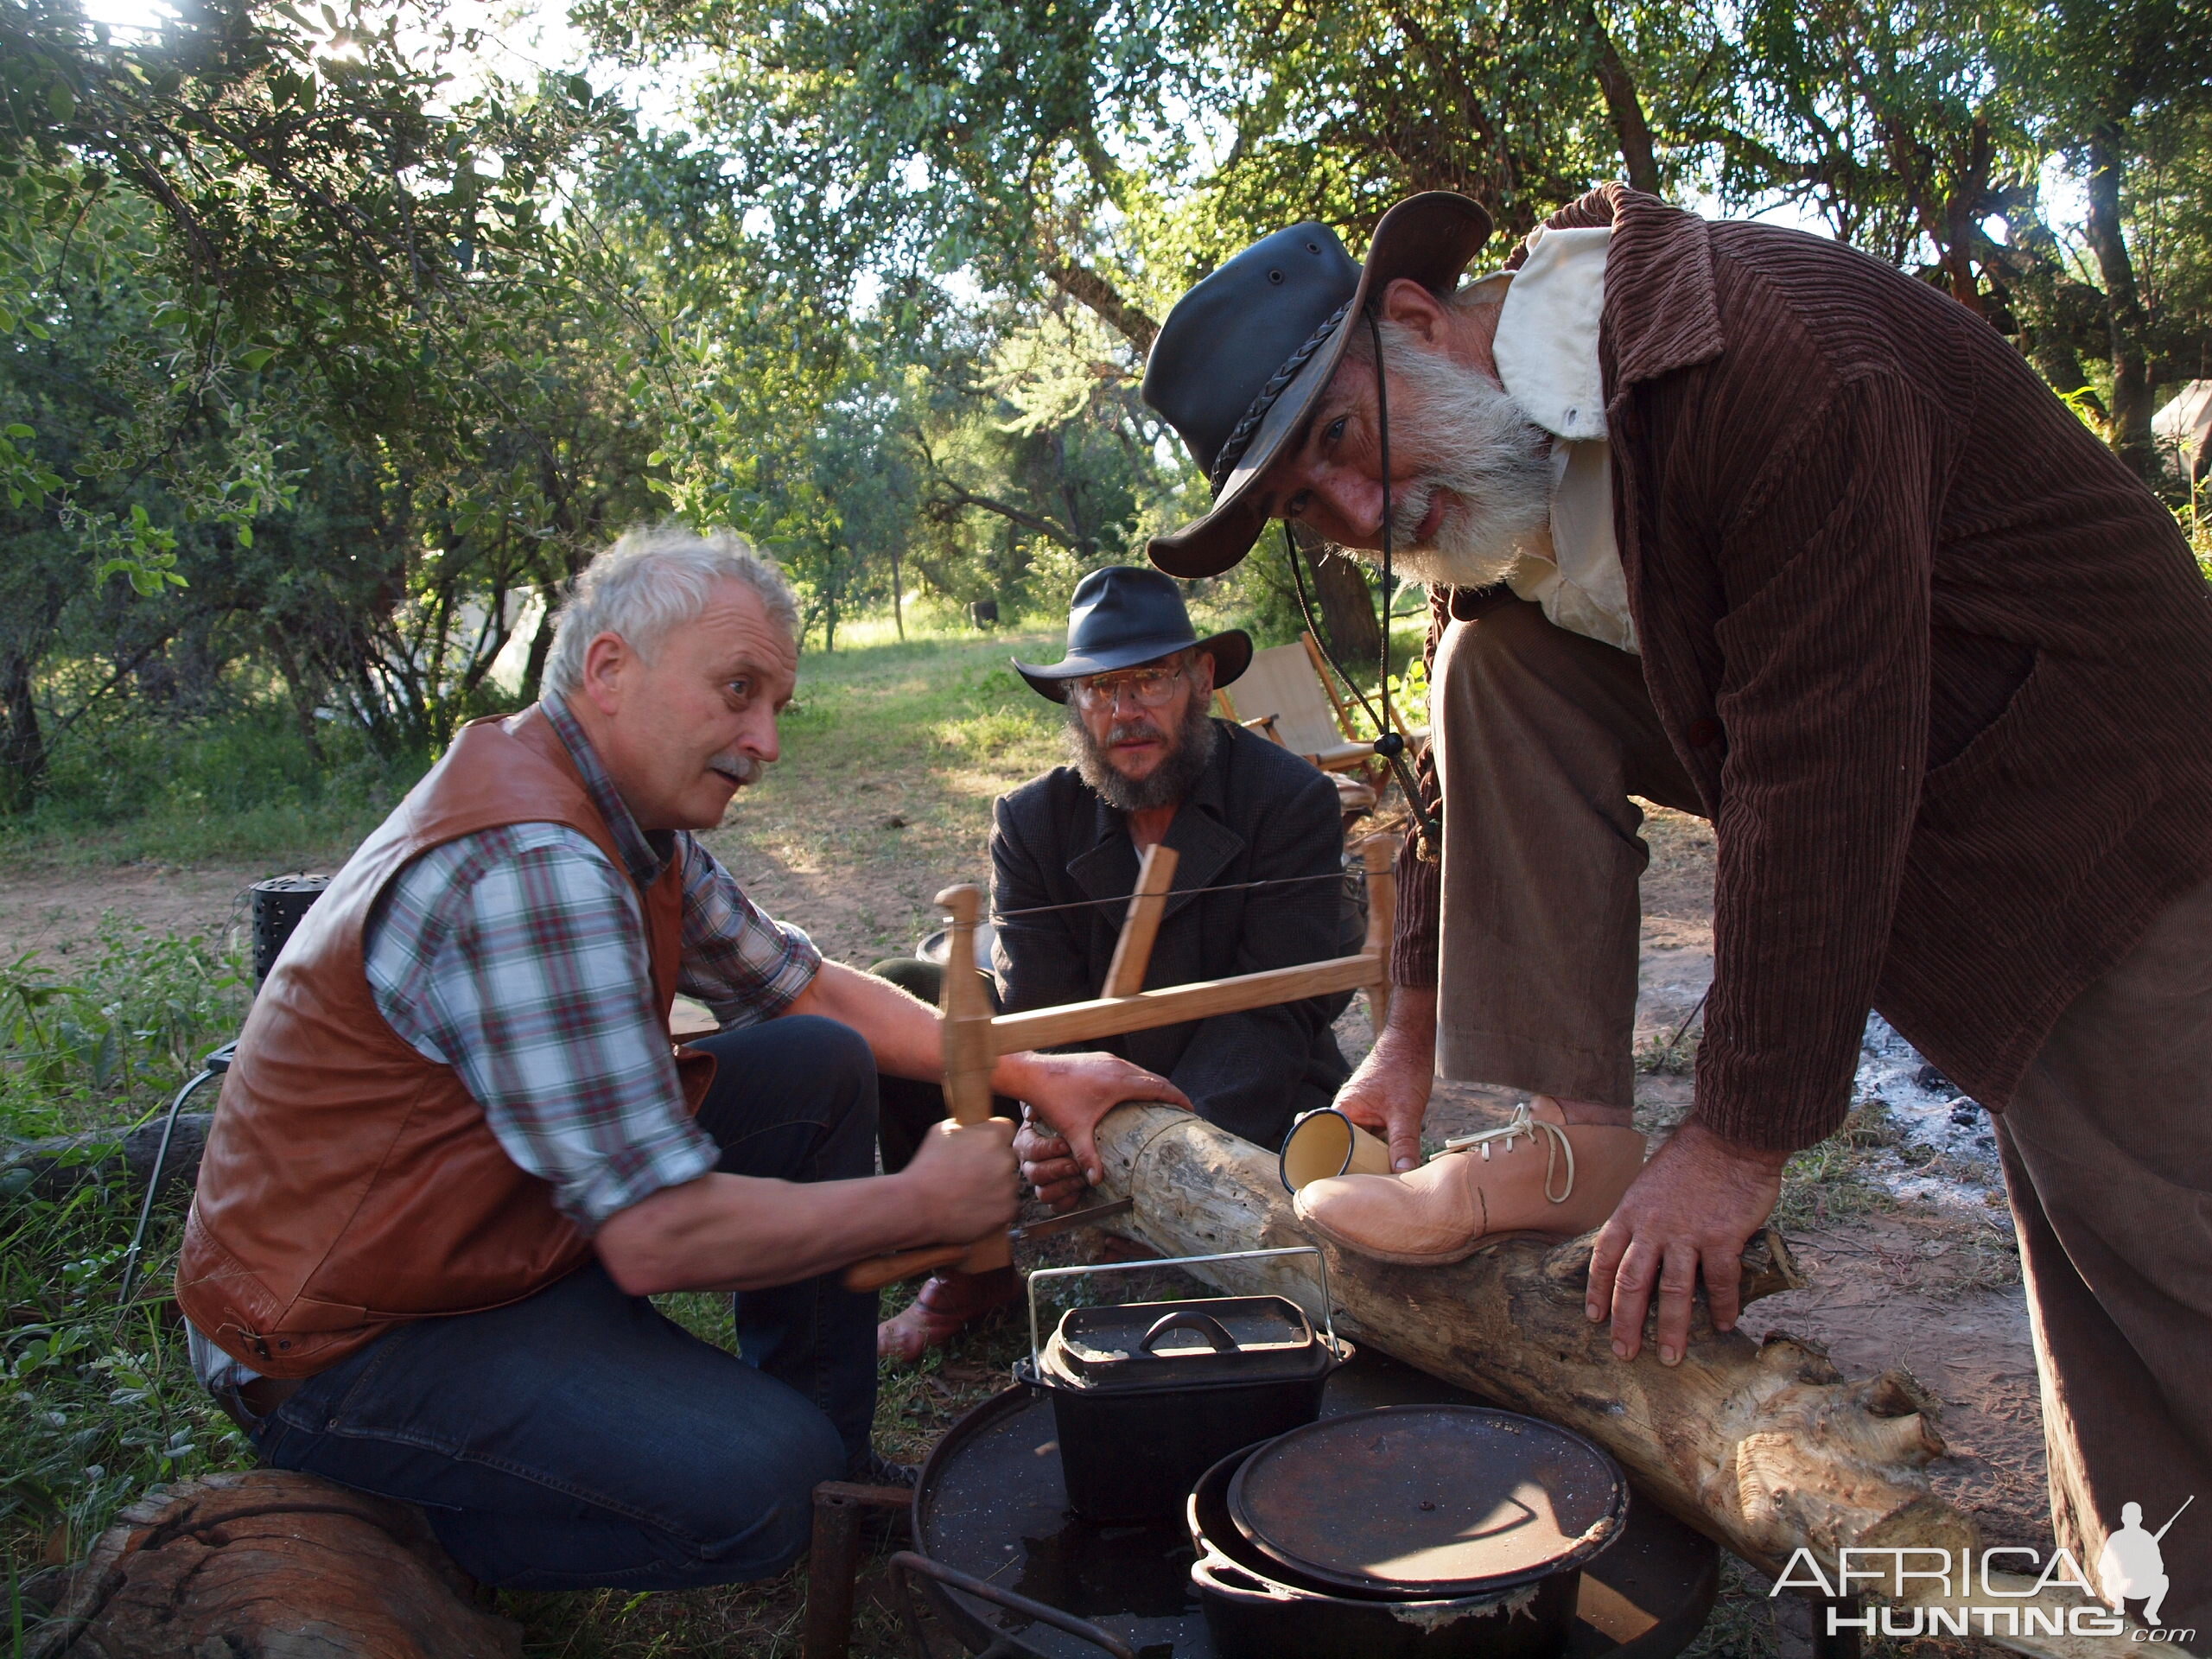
1068 1223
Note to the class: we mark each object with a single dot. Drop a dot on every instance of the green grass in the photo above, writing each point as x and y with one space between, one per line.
240 786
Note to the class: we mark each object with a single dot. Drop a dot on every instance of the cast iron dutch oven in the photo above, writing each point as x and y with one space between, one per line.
1409 1532
1145 1395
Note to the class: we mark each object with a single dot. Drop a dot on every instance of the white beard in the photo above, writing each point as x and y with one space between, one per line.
1495 461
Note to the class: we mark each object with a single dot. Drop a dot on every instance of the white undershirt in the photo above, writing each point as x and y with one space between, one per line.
1547 353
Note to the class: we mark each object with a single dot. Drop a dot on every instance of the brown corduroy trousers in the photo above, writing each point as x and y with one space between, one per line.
1542 736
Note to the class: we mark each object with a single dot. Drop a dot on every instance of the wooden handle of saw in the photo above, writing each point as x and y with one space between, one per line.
966 1013
880 1270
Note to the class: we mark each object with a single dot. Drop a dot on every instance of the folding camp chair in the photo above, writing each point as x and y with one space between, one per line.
1288 694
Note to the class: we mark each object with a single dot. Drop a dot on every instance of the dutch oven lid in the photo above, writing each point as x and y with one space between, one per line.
1428 1501
1182 1345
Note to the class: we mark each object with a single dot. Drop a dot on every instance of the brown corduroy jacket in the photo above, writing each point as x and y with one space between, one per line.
1940 666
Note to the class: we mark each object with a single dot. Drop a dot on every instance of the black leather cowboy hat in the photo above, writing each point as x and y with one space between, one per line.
1124 615
1243 356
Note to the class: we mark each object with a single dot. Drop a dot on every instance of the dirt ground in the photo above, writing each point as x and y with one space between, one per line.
1906 1271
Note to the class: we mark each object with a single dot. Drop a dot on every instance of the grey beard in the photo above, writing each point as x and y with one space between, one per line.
1494 459
1167 784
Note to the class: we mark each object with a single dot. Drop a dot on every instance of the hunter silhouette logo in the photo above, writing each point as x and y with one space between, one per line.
2132 1567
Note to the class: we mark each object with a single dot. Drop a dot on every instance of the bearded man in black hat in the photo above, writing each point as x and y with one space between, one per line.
1738 520
1148 763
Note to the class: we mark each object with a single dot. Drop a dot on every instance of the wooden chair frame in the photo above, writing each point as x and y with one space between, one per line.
1353 754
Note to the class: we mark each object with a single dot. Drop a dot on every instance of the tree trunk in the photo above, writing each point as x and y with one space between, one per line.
1962 209
2132 406
1630 130
1765 1446
898 598
541 643
1346 605
22 744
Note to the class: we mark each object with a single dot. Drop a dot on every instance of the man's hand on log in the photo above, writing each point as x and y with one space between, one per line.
1047 1165
1070 1093
1693 1208
1389 1093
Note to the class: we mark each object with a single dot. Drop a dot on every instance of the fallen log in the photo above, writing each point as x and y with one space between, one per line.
54 1168
267 1564
1765 1446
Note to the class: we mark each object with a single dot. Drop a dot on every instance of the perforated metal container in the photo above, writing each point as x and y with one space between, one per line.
278 906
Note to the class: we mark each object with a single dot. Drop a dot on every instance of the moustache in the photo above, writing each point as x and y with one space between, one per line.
1407 508
1132 731
740 768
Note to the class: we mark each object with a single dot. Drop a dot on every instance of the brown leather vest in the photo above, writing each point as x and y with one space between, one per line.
349 1183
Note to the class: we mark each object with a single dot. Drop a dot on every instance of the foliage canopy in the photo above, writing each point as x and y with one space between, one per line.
328 356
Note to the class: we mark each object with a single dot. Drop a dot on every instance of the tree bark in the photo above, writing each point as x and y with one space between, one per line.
269 1564
58 1165
1961 208
1086 287
2131 405
1346 602
1765 1446
1631 130
541 642
22 744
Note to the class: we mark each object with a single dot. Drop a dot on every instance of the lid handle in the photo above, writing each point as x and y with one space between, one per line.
1037 1275
1184 1319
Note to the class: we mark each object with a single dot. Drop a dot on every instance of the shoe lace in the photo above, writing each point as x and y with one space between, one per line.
1557 1146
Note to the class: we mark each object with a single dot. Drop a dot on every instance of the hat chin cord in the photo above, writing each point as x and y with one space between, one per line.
1391 745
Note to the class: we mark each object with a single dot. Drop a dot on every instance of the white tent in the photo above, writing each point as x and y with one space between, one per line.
2183 427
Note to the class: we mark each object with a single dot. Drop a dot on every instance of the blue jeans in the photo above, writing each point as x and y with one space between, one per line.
579 1439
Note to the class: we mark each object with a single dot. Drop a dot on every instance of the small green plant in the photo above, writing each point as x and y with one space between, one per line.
1665 1054
98 1401
1674 1053
122 1026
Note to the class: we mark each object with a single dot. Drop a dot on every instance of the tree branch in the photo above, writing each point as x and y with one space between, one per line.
1087 288
1630 128
951 497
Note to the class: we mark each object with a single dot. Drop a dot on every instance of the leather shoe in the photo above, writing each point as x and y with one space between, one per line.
948 1304
1538 1173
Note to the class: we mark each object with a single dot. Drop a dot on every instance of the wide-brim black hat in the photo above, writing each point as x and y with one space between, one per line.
1124 615
1243 356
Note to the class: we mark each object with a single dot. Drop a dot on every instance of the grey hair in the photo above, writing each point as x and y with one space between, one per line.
650 583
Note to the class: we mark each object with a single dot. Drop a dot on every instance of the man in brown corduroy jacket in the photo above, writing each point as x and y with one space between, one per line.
1738 520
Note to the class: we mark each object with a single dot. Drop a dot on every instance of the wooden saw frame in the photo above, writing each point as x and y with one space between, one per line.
974 1038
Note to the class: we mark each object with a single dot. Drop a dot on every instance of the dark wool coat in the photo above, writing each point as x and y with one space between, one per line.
1940 665
1257 813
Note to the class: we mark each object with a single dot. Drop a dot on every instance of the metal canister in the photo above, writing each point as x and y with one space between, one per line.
279 904
1147 1395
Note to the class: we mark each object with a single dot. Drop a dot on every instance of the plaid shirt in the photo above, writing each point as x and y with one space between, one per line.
517 956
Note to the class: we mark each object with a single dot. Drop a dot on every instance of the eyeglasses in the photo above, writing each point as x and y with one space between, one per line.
1147 688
